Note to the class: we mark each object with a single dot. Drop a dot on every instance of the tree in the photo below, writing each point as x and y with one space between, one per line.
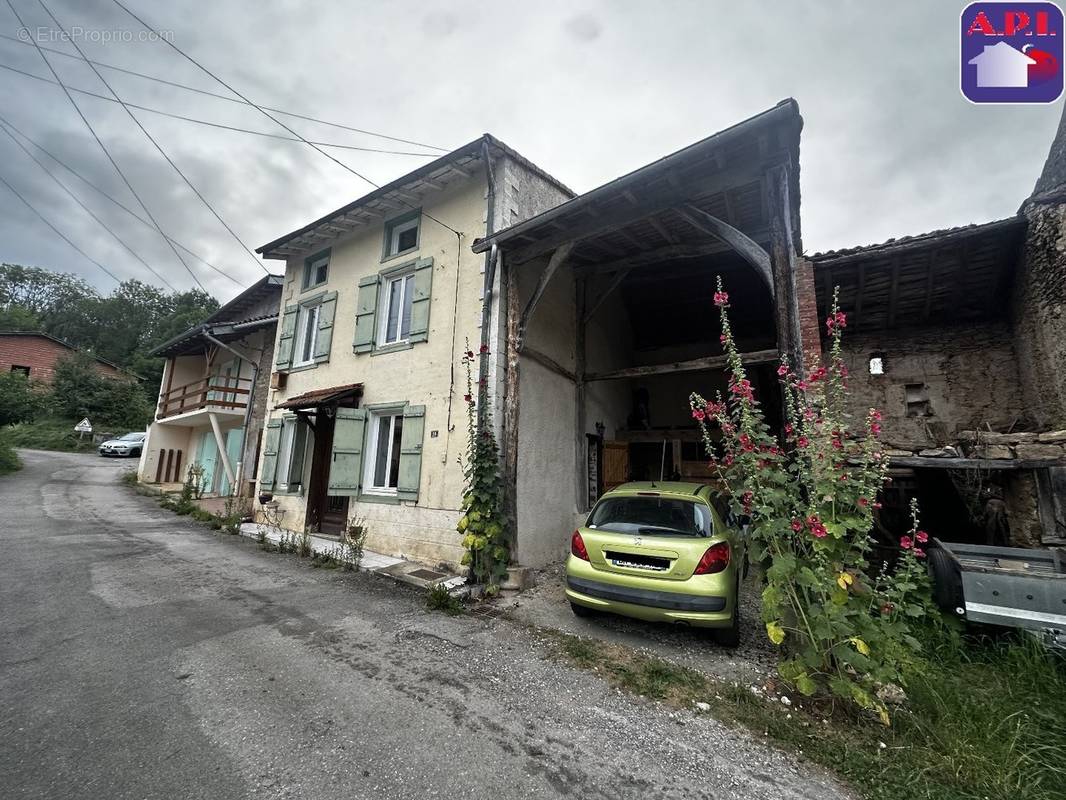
18 401
79 390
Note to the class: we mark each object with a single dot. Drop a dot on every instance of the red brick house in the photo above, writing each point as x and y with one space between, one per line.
35 354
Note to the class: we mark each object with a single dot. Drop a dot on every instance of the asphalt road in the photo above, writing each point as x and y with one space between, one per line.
143 656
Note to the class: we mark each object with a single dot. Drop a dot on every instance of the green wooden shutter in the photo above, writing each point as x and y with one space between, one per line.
283 360
365 313
270 456
420 304
346 458
414 423
324 340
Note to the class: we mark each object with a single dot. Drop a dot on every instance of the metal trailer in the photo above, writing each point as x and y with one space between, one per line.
1007 586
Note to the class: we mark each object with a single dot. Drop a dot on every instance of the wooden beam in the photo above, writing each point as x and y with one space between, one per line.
616 281
927 308
974 463
557 260
595 222
860 289
739 241
636 243
656 256
662 230
783 270
694 365
893 293
509 283
548 363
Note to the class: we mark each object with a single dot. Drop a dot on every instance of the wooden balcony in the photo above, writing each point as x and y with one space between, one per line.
215 393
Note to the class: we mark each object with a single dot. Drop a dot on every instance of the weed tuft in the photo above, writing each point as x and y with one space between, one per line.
440 599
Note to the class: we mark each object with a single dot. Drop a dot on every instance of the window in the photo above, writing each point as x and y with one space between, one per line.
652 516
877 363
383 465
397 293
316 270
291 450
401 234
21 370
306 334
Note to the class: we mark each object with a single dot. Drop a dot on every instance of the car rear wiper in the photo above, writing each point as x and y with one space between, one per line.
651 530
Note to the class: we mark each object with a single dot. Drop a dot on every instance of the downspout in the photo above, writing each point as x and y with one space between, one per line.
238 472
486 294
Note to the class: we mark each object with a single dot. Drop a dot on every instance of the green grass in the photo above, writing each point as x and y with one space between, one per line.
50 433
984 721
9 460
439 599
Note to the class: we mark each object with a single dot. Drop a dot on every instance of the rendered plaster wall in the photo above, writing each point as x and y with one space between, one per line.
969 375
1039 315
608 347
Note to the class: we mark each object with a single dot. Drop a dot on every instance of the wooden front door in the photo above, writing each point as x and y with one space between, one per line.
326 513
615 464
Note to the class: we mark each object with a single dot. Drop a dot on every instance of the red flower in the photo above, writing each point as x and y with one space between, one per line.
922 537
788 430
817 375
877 505
887 608
728 459
468 398
745 442
875 429
919 552
722 338
802 441
698 414
469 353
721 299
484 349
863 502
906 542
836 320
801 385
782 370
797 526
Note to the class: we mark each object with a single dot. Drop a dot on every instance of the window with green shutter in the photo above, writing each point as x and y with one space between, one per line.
346 455
288 336
393 307
307 332
393 463
270 456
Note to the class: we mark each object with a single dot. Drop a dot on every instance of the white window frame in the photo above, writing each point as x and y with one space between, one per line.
407 288
311 267
395 228
370 463
312 311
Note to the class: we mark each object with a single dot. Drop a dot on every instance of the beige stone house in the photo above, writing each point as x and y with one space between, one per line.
366 417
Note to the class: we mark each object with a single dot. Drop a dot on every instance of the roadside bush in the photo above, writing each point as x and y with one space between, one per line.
9 460
438 598
810 501
79 390
353 542
49 433
18 400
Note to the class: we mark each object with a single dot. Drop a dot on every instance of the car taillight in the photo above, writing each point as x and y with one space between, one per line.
577 546
714 560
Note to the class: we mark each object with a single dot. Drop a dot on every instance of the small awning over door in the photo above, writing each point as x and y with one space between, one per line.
346 396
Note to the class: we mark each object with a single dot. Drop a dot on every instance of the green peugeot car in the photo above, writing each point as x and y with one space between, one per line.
658 552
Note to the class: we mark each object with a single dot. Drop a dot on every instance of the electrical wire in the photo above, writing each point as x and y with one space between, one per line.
210 124
268 115
107 153
56 230
228 99
158 147
114 200
89 211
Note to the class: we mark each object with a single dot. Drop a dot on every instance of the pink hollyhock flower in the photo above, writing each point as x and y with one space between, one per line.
468 398
698 414
802 441
922 537
484 349
801 385
469 353
887 608
721 299
843 370
782 370
906 542
877 505
788 430
919 552
797 526
863 502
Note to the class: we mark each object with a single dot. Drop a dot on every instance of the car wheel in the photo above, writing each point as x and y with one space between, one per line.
135 453
947 582
581 611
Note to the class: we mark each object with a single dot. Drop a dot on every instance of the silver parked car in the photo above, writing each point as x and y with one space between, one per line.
129 445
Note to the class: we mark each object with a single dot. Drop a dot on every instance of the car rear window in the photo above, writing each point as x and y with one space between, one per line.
652 516
131 437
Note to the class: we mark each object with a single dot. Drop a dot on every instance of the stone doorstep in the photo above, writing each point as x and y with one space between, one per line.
398 569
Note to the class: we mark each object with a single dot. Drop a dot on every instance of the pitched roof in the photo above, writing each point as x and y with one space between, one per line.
940 236
390 197
324 397
72 347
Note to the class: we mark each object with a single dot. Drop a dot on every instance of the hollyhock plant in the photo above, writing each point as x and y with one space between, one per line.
807 496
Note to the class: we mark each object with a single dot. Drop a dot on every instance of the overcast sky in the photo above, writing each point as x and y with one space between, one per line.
587 90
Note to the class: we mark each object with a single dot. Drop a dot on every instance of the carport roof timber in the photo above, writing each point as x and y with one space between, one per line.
952 275
655 211
317 398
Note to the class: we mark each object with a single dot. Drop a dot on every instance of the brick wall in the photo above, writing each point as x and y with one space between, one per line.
40 354
810 326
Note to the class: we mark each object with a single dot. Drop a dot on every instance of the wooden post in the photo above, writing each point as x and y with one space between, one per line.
580 467
782 258
509 280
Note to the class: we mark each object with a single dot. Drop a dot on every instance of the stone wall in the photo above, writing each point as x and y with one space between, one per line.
1039 315
937 382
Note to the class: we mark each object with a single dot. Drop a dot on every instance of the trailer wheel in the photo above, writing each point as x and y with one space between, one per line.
947 580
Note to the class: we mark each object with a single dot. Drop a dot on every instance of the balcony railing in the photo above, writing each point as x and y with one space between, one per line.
216 392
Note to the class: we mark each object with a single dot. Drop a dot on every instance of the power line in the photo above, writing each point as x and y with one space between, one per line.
156 144
56 230
208 123
76 199
228 99
117 202
107 153
190 59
